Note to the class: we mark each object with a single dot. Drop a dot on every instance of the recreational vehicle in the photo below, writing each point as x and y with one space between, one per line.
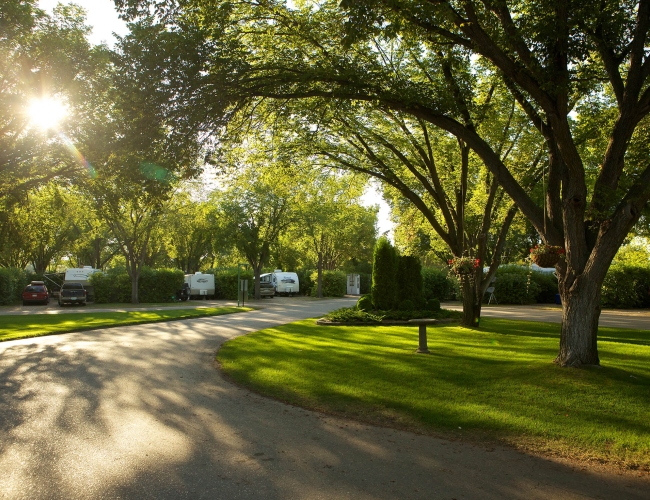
285 283
201 285
81 275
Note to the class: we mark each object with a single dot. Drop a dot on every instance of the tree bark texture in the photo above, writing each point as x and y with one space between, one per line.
580 314
471 302
320 275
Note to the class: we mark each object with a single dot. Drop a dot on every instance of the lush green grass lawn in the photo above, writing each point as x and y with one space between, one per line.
34 325
496 383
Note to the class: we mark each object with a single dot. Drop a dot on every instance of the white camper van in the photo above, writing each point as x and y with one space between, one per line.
201 285
81 275
285 283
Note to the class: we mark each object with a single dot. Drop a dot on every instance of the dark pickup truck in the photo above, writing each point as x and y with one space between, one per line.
72 293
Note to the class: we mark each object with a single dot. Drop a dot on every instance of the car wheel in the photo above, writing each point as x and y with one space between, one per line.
24 302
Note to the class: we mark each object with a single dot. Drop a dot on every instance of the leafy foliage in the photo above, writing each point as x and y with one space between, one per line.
225 282
410 286
353 315
437 283
366 283
626 287
12 283
514 288
155 285
406 305
384 274
364 303
334 283
306 283
433 305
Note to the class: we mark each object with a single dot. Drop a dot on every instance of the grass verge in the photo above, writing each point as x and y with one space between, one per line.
36 325
496 383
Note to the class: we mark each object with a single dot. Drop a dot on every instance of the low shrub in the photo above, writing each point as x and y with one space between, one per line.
334 283
12 283
225 282
418 314
438 284
366 283
547 283
159 285
364 303
306 284
514 288
112 287
406 305
354 315
626 287
154 285
409 281
433 305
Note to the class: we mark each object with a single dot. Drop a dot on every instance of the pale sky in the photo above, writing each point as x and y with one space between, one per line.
101 15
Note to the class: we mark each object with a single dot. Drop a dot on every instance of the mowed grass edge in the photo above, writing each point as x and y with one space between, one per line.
13 327
493 383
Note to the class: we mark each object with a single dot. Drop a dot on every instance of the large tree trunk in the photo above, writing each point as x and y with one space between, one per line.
133 270
320 275
580 314
134 289
471 302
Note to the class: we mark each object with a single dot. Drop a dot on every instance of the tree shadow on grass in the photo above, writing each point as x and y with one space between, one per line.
142 413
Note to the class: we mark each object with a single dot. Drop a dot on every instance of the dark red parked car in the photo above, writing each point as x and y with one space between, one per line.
36 293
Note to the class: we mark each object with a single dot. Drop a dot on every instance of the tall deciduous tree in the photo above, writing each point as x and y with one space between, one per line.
41 57
553 56
135 149
333 224
191 233
255 210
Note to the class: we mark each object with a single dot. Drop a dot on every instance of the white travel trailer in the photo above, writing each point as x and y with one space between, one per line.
81 275
285 283
201 285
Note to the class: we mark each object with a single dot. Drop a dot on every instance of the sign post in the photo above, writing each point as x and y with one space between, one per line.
244 291
239 280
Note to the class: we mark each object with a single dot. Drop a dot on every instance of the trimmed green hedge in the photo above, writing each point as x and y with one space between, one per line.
334 283
366 283
306 284
225 282
438 284
385 260
410 287
12 283
155 285
514 288
521 285
626 287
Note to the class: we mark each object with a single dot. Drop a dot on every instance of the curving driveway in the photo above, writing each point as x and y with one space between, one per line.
142 412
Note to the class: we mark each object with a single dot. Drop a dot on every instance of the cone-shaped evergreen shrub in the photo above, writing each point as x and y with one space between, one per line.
384 275
410 285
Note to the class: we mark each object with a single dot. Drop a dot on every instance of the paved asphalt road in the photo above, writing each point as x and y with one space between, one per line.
638 319
142 412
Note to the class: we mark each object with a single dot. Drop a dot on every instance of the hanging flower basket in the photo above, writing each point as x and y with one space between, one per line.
462 266
546 255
